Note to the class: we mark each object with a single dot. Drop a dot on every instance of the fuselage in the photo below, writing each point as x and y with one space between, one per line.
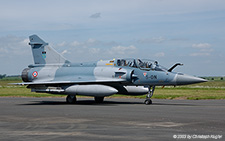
124 78
100 71
52 73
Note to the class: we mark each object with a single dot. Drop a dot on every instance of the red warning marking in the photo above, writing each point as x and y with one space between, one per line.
35 74
145 73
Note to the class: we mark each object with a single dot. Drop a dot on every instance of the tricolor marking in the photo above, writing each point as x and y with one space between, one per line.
35 74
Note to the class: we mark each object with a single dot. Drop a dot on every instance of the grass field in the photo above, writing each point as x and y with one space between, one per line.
208 90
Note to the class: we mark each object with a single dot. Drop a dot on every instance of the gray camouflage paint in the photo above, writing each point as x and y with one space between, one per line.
52 73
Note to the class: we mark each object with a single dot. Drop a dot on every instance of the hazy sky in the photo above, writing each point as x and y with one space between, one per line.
191 32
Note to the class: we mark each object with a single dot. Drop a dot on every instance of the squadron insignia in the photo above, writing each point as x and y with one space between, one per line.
43 54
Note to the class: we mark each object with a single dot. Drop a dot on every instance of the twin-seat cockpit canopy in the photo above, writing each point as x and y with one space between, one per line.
140 63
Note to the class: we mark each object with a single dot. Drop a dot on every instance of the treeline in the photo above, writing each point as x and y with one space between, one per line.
4 76
216 78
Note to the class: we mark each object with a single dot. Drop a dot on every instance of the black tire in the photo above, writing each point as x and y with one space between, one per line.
71 99
99 99
148 102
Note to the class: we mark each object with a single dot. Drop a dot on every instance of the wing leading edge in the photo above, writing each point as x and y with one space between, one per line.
71 82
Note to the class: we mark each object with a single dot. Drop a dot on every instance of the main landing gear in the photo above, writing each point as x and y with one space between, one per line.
151 90
71 99
99 99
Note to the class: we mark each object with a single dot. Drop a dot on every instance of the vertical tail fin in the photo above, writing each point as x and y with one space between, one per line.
43 53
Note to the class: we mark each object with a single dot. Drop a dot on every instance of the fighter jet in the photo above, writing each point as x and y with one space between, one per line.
52 73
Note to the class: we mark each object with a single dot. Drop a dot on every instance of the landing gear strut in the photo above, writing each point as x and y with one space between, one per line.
99 99
149 95
71 99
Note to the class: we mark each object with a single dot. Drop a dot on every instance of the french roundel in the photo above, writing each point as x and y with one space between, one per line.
35 74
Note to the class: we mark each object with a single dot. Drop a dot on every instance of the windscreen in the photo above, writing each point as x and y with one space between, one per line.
145 64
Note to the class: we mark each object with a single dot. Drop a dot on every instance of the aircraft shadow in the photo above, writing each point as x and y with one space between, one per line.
80 102
106 103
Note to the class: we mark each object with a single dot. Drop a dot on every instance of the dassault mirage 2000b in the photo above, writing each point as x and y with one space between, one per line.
52 73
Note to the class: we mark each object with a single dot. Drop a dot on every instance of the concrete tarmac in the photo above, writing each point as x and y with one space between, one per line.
41 119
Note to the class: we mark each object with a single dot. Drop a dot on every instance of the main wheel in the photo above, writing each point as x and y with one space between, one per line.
99 99
71 99
148 101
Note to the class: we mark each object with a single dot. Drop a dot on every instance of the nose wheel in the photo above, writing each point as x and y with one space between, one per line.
151 90
148 101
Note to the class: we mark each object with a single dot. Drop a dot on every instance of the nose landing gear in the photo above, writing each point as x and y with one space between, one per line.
151 90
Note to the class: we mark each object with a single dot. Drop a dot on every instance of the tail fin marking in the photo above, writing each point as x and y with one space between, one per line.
43 53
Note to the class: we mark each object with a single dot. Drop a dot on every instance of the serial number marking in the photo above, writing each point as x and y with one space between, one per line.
151 77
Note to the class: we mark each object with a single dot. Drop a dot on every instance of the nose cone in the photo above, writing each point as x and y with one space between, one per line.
183 79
